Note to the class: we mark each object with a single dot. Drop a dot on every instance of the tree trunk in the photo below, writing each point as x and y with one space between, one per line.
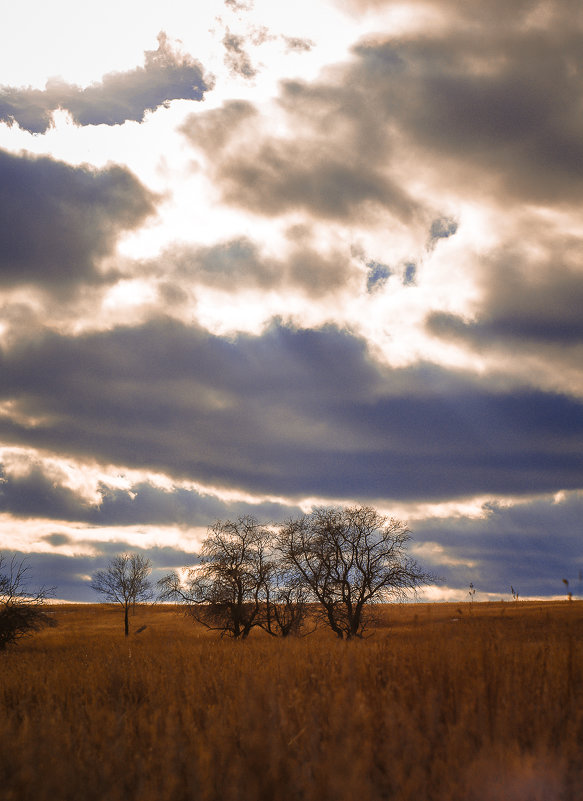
126 621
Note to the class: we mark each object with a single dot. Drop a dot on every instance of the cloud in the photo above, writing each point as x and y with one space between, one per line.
447 111
166 75
329 165
481 104
213 130
295 44
239 5
530 301
409 274
58 222
289 413
240 263
531 545
236 57
39 491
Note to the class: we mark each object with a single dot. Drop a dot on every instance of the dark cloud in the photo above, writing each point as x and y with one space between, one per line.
68 575
332 167
236 57
166 75
37 494
57 539
57 222
529 302
212 130
489 103
290 413
530 546
287 176
40 493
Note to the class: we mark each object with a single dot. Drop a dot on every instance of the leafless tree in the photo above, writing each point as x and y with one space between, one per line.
286 603
125 581
22 611
349 559
226 592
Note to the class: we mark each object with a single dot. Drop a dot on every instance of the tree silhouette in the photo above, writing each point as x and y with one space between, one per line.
22 611
227 590
125 581
349 559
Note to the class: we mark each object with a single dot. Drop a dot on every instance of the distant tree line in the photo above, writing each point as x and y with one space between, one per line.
329 567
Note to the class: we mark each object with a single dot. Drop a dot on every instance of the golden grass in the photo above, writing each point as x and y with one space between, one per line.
443 703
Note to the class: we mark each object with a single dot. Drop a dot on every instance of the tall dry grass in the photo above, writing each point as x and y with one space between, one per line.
436 706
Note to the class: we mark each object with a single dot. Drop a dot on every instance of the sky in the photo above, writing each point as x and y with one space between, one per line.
259 257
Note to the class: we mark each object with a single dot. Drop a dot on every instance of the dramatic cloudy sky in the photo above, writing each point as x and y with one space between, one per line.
259 256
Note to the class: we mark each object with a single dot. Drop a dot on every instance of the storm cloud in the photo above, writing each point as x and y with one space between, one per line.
42 493
57 221
530 546
291 412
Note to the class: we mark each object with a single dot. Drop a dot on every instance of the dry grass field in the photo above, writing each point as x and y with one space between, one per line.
443 703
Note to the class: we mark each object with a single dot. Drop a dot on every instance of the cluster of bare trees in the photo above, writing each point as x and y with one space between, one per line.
330 567
333 563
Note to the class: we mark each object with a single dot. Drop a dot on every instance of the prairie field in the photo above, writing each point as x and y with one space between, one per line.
444 702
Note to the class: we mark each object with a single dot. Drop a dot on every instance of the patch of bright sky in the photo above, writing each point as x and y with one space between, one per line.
66 38
33 535
435 553
61 38
84 477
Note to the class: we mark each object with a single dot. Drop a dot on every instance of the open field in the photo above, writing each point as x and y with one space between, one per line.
446 702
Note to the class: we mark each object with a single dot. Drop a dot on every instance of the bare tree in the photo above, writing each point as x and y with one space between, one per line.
125 581
226 592
348 559
22 611
286 603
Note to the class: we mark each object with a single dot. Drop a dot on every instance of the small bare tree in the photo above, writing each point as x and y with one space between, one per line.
125 581
348 559
22 611
226 592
